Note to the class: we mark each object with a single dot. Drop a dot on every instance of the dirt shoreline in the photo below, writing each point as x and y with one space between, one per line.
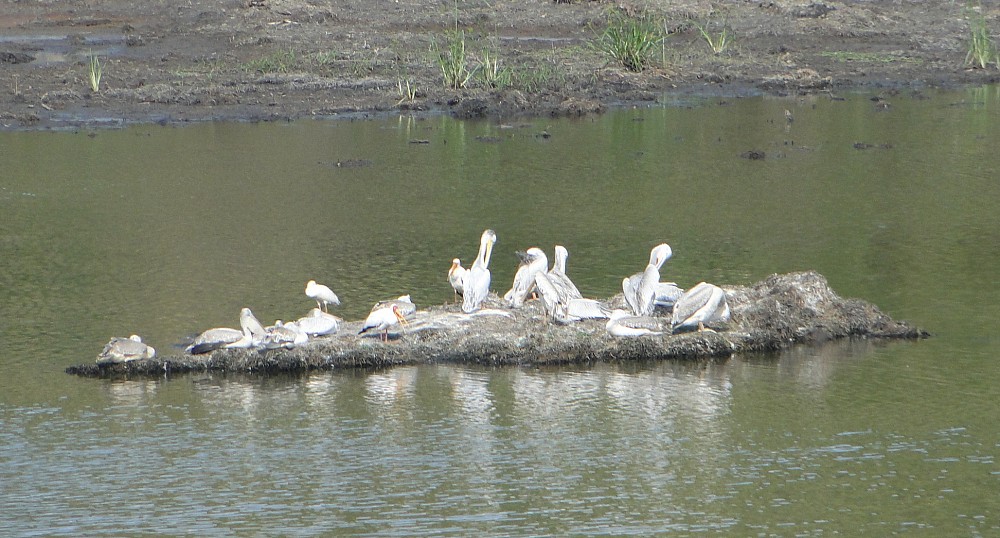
286 59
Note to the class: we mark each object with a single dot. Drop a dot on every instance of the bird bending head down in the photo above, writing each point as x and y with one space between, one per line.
321 294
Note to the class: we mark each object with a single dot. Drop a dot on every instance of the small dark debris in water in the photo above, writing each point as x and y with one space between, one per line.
866 145
489 139
420 141
638 119
545 134
753 155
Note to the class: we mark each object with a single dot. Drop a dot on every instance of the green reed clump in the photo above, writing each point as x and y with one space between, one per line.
982 50
718 42
629 40
95 72
492 72
453 60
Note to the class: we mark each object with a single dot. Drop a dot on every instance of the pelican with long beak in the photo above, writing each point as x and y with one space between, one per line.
567 290
476 284
382 319
251 335
701 305
323 295
124 350
533 261
621 324
455 276
640 288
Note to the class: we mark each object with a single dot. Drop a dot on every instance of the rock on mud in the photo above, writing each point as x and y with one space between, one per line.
778 312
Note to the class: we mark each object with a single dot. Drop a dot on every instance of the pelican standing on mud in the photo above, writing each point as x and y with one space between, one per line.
476 284
321 294
640 288
455 276
382 319
533 261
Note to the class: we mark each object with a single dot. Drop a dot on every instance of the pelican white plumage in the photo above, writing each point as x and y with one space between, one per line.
549 295
319 323
404 302
701 305
125 349
455 276
286 335
321 294
382 319
476 284
640 288
667 294
567 290
621 324
533 261
251 335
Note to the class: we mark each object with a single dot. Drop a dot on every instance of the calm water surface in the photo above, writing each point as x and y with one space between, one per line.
165 231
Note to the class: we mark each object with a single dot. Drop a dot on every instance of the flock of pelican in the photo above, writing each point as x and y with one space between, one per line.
702 305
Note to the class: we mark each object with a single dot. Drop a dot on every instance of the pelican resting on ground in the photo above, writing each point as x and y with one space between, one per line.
251 335
622 324
701 305
586 309
533 261
321 294
667 294
286 335
455 276
382 319
549 295
640 288
476 284
319 323
124 350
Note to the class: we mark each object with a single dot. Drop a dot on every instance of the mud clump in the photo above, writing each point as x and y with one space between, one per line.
778 312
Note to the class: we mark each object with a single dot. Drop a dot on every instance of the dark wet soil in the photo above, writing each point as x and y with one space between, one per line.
778 312
196 60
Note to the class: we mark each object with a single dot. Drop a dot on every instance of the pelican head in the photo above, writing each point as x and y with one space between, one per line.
486 242
561 256
659 255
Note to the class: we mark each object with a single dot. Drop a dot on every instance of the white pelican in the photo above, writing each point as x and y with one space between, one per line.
640 288
321 294
381 319
319 323
567 290
405 304
455 276
700 306
286 335
667 294
476 284
124 350
621 323
251 335
533 261
547 291
586 309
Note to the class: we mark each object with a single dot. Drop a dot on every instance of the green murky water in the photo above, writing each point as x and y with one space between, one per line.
165 231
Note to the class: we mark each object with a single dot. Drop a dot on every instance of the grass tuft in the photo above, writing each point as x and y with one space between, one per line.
453 60
717 42
95 72
982 50
629 40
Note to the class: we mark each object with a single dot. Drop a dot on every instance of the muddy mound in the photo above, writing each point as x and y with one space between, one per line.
780 311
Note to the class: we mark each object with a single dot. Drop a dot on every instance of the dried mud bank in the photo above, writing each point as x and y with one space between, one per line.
778 312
